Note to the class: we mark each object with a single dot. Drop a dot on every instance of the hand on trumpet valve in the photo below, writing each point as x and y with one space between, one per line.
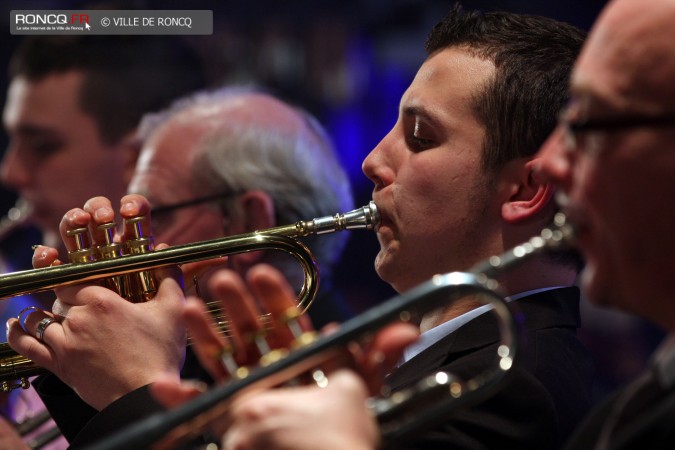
331 418
95 334
265 296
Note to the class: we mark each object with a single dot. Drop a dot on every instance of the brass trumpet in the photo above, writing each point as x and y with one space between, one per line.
397 414
16 367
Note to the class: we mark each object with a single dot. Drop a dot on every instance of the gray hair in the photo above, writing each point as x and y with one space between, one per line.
297 167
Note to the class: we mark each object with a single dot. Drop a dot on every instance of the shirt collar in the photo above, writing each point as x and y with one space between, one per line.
430 337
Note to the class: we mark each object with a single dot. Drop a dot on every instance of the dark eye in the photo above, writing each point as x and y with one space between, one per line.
583 139
418 144
44 146
420 135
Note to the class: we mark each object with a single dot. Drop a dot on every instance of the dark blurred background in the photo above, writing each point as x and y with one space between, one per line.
348 62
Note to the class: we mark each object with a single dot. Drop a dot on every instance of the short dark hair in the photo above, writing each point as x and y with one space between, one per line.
533 57
125 76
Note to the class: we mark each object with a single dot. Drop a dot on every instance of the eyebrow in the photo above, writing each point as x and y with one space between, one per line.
419 111
36 130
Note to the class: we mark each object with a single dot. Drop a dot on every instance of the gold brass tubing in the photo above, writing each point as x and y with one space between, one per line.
278 238
16 367
36 280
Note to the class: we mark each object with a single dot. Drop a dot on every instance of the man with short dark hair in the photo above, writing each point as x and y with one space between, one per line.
613 159
71 114
455 184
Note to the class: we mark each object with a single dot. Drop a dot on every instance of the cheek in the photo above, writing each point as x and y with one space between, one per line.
615 208
433 178
435 197
194 226
79 161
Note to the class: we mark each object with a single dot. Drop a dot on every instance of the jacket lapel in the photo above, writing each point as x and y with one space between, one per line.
552 308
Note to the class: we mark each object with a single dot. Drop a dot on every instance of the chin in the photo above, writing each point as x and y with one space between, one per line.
388 273
383 270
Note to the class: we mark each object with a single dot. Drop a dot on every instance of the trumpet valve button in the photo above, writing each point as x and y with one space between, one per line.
290 319
84 252
138 243
273 356
108 230
80 236
305 339
110 249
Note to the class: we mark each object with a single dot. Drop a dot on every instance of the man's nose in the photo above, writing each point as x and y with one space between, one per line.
554 159
14 173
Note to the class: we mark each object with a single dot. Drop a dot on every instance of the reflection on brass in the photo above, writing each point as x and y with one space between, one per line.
139 257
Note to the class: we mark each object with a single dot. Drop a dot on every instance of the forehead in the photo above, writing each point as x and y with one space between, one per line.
52 98
447 83
163 166
629 58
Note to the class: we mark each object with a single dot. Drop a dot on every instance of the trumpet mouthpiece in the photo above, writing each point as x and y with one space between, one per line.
364 218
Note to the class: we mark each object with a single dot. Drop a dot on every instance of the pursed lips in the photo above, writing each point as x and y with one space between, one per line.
386 225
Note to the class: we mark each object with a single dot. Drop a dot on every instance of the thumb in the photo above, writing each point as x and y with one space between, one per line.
171 393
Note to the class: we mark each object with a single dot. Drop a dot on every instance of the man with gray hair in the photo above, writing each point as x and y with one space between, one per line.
244 141
218 163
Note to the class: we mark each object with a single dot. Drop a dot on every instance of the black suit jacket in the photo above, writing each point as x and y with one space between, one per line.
654 429
548 391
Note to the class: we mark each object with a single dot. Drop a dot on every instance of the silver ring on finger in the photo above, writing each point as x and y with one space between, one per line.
42 326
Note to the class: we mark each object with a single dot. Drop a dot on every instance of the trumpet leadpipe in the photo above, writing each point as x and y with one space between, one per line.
279 238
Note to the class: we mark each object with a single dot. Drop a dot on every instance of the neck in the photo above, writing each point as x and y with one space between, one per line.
445 314
531 275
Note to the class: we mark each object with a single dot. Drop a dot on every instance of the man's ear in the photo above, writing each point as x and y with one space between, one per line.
528 194
255 211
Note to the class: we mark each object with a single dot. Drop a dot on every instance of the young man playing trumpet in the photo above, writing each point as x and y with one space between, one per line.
454 184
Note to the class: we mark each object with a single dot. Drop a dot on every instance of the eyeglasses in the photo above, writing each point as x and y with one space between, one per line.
576 131
160 213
